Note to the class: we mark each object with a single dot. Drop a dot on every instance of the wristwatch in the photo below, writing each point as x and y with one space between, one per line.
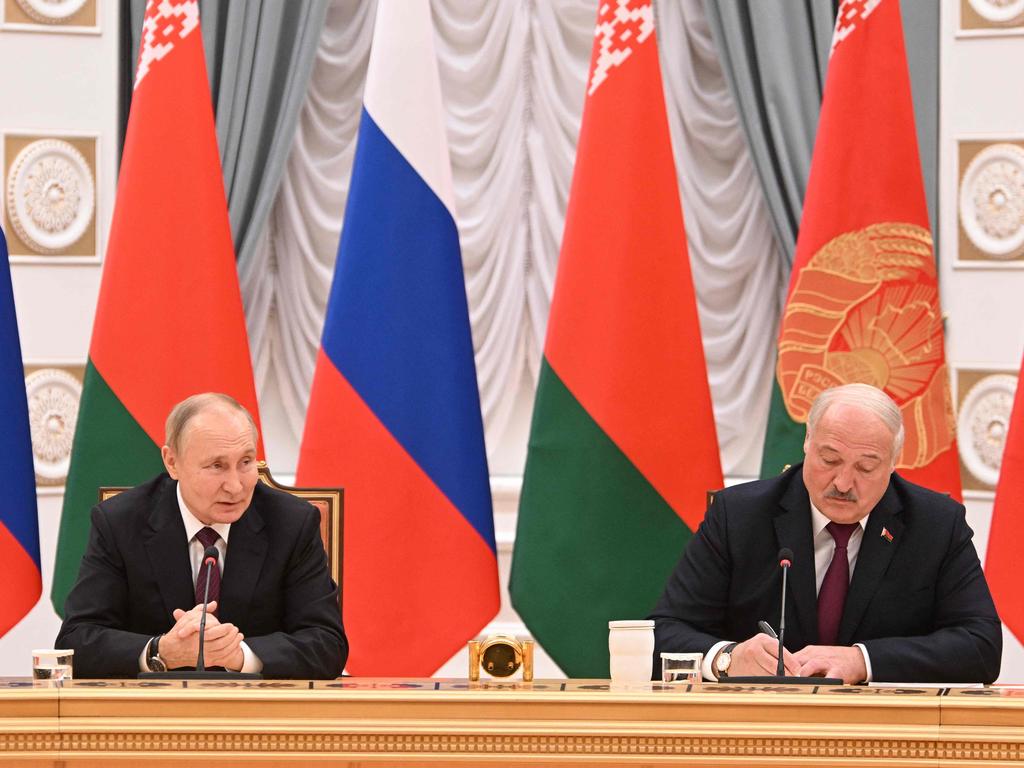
156 664
724 660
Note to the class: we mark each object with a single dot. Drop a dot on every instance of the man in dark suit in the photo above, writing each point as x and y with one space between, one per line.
885 583
136 605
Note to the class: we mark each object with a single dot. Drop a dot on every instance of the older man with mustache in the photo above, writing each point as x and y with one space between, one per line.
885 583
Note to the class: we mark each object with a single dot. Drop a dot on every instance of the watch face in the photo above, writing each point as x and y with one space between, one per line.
156 664
724 659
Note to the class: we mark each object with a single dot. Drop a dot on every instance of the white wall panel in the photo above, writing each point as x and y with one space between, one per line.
61 84
981 97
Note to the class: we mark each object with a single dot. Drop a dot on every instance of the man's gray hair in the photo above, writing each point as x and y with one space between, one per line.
865 396
181 414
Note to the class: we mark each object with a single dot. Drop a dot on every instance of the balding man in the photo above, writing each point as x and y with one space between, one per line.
885 583
134 607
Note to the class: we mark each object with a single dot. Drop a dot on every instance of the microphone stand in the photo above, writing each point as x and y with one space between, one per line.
780 677
209 562
201 672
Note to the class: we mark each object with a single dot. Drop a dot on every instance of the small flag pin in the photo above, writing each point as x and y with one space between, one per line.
886 535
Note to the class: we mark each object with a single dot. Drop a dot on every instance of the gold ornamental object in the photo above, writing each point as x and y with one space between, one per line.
501 656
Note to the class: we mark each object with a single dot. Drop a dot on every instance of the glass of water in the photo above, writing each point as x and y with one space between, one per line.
681 667
53 664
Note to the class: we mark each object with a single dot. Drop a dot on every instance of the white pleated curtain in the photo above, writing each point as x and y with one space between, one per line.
512 75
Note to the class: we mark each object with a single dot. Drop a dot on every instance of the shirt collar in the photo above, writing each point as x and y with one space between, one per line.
193 524
819 521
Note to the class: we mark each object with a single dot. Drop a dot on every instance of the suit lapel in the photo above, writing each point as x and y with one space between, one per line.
167 549
876 552
793 529
247 549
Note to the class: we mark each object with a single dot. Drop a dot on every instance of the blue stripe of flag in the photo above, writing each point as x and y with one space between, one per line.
397 324
17 476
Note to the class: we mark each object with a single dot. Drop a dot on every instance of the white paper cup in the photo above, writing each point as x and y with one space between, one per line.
52 664
631 650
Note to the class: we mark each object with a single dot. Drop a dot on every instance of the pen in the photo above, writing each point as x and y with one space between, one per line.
767 629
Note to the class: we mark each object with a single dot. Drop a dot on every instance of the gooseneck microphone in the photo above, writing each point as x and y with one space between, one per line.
210 557
785 561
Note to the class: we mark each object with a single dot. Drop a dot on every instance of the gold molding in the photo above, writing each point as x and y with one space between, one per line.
85 17
442 722
87 244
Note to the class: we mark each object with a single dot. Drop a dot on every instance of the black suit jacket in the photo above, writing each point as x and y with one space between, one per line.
276 586
919 604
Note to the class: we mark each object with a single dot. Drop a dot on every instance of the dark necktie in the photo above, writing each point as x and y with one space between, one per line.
832 595
208 537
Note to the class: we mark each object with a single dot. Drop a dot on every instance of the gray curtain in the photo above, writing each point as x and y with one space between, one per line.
259 56
774 54
921 38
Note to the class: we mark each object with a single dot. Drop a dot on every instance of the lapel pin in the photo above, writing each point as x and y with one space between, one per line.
886 535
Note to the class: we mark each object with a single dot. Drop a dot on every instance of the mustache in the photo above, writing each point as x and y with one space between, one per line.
835 493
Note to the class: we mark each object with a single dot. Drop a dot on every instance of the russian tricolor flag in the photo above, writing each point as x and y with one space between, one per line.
394 414
19 523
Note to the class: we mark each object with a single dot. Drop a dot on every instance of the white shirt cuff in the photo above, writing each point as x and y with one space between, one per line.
867 660
706 669
144 657
250 661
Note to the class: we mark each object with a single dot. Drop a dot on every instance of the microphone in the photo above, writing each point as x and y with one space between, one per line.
785 561
210 557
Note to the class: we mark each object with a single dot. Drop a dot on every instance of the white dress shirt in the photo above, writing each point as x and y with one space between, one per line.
824 548
250 661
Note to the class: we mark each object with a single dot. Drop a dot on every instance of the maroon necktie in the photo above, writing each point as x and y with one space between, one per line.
208 537
832 595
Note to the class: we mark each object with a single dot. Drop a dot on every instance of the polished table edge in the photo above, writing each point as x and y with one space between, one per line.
560 721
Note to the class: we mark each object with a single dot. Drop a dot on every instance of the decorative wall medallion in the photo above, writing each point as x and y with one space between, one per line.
992 201
53 397
51 11
982 425
51 195
998 11
991 15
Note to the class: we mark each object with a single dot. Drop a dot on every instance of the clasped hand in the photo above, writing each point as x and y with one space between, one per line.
222 643
759 656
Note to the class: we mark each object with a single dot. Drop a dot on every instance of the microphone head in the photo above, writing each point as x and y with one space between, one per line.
785 557
211 553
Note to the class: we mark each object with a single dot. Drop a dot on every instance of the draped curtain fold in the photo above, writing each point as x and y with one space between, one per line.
287 83
739 271
513 79
774 54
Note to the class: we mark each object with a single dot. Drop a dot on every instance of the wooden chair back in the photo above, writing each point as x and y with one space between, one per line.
330 502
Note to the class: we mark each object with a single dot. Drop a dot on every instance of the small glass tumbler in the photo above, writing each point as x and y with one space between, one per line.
52 664
681 667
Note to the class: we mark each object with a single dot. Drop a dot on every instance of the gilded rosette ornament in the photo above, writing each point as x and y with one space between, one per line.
866 309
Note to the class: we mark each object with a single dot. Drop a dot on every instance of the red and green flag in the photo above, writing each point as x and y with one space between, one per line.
863 300
622 446
1002 567
169 320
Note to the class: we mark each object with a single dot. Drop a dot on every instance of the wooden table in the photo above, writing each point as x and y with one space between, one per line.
381 722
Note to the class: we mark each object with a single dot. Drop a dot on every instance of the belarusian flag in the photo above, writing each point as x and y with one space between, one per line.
623 446
169 319
1002 563
864 299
